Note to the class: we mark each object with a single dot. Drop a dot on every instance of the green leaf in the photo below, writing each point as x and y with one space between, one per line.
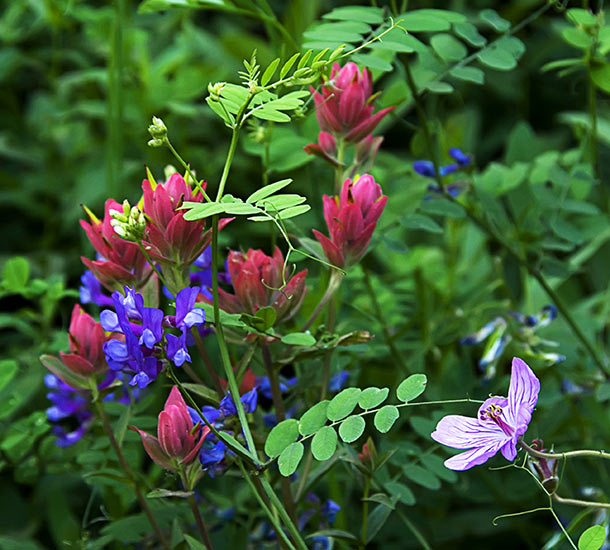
351 428
382 498
194 544
262 320
364 14
492 18
165 493
298 339
288 65
372 62
64 373
8 369
314 418
267 112
412 387
593 538
201 210
565 230
324 443
343 403
424 21
497 58
448 47
372 397
444 207
15 273
600 74
582 17
335 534
270 71
470 74
421 476
469 32
222 113
437 466
439 87
290 457
283 434
294 211
579 38
241 209
268 190
401 491
385 418
419 221
280 202
322 35
376 520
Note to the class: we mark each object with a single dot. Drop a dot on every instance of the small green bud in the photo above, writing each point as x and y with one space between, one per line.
169 170
128 224
158 132
319 65
155 142
302 72
215 90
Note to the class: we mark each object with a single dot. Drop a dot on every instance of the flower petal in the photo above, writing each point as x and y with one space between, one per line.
522 395
471 458
463 432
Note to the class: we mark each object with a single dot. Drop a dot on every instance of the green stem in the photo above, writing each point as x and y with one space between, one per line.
583 503
365 511
126 468
156 269
565 533
276 525
280 413
565 455
292 528
333 284
208 362
199 521
188 170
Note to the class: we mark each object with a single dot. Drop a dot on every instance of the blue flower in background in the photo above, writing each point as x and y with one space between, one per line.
90 291
338 381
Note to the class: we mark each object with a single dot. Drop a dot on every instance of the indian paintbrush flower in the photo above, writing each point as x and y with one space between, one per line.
87 338
120 262
178 440
500 422
257 280
351 219
345 106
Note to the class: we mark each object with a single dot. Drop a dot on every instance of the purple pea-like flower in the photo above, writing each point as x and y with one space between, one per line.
501 421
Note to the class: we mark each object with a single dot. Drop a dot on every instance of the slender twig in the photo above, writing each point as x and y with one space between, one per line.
365 511
208 362
333 284
200 525
280 413
564 455
583 503
276 525
188 170
127 469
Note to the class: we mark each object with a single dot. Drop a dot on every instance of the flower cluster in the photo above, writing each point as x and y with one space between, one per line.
518 328
426 168
143 343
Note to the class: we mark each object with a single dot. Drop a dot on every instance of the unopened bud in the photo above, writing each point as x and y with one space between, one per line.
158 132
155 143
169 171
215 90
129 224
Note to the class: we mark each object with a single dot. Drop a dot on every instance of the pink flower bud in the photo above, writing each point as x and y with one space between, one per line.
345 105
351 219
326 148
86 337
257 280
121 263
177 443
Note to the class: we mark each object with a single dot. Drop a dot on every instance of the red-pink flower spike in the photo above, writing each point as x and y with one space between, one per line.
176 443
351 219
86 337
169 237
122 263
345 106
326 148
256 279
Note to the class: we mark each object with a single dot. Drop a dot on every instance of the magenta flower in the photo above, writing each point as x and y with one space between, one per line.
500 423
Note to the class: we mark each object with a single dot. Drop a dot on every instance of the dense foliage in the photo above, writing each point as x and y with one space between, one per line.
263 239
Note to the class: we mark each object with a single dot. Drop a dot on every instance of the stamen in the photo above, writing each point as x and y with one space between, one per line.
494 413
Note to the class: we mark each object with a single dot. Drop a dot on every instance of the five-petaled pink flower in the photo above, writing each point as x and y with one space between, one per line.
351 219
500 423
177 442
345 106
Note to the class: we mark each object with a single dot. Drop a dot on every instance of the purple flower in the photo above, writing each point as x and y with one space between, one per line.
249 400
90 291
500 423
338 381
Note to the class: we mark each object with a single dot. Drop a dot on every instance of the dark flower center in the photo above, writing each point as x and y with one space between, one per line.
494 413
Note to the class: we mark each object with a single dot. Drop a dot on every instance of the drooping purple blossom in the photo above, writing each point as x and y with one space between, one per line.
500 422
